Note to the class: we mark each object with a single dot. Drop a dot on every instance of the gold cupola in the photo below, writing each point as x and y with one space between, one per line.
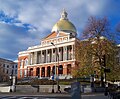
64 25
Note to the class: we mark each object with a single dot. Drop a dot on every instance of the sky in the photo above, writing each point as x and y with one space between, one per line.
23 23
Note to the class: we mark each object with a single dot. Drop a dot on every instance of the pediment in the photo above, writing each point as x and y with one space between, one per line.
54 35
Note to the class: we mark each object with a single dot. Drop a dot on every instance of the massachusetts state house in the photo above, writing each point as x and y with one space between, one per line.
54 55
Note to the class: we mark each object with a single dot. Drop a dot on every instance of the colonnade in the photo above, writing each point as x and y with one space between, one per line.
49 55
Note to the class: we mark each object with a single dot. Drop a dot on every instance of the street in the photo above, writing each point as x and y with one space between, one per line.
94 96
32 97
50 96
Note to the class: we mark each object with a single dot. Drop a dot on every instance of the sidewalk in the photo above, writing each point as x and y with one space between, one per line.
36 94
45 93
31 93
54 95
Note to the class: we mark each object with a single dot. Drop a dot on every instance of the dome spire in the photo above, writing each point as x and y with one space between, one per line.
64 25
64 15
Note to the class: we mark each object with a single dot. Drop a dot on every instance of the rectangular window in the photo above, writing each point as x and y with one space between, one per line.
12 72
7 71
16 71
16 66
3 65
7 66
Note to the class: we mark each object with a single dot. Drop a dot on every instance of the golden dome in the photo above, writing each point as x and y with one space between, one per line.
64 24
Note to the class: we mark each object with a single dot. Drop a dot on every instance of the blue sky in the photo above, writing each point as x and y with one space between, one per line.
24 22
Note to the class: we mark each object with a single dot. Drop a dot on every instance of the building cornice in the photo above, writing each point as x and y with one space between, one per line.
38 48
60 62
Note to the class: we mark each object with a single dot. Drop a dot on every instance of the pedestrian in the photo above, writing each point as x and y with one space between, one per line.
106 89
59 89
38 75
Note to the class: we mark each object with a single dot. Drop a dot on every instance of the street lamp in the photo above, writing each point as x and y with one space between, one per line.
57 60
10 78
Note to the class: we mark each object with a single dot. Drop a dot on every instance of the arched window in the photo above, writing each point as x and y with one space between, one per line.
69 69
60 69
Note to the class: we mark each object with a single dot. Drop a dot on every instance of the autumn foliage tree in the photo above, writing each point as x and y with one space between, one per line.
98 43
84 61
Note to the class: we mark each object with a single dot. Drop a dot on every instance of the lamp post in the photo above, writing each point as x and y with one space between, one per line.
28 72
103 74
57 60
10 78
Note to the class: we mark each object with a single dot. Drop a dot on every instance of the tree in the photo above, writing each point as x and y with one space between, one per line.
98 43
83 58
117 67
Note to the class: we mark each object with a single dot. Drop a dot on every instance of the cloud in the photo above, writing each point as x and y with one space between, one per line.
43 14
14 39
31 20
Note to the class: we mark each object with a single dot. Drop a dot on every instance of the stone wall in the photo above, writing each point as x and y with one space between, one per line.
42 88
5 89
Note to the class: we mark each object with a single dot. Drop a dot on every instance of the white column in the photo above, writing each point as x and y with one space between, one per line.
35 58
46 55
52 55
32 58
65 53
55 54
29 59
73 52
41 57
68 53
